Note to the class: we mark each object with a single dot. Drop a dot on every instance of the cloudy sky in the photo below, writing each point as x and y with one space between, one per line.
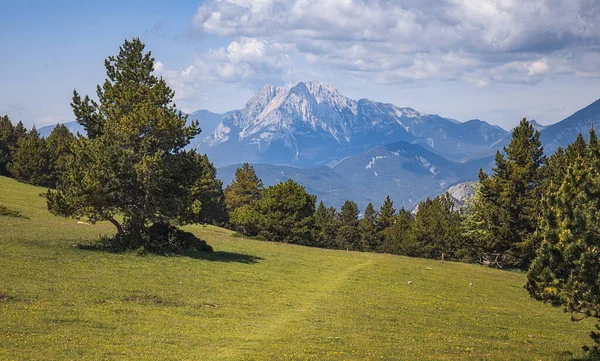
496 60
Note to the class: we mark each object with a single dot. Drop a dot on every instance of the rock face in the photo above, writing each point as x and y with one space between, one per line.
462 192
308 124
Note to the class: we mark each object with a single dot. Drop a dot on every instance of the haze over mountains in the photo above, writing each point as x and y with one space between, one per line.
340 148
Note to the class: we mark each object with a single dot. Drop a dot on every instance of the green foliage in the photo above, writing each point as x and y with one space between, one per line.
565 271
246 220
133 162
401 238
8 142
385 219
287 213
209 191
326 225
31 162
437 227
348 235
509 200
58 146
367 226
245 189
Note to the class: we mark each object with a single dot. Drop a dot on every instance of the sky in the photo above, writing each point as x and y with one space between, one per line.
495 60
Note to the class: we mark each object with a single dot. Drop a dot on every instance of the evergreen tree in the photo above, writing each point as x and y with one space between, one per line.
133 162
348 234
59 148
385 219
7 142
326 226
437 227
209 191
510 198
401 239
367 226
246 220
287 213
565 271
30 163
245 188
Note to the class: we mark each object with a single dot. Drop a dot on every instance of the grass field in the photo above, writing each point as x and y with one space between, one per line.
253 300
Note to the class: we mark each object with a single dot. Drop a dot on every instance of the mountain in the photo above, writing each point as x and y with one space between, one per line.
505 141
408 173
208 120
564 132
310 123
74 127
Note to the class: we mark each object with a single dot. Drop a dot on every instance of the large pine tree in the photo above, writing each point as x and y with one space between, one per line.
7 142
133 162
367 226
326 226
511 198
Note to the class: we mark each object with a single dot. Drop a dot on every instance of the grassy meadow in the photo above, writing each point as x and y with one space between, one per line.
254 300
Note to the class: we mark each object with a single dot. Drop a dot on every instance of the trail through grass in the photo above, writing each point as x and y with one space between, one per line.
252 300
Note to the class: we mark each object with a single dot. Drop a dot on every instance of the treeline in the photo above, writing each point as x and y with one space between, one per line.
285 212
30 158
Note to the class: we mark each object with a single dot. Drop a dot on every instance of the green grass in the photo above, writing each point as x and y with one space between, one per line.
253 300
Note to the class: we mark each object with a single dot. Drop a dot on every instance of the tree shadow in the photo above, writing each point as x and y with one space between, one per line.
222 256
215 256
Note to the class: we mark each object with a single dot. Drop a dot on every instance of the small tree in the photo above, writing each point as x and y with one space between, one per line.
246 220
326 226
133 162
401 238
348 234
245 188
209 191
385 219
59 148
30 163
367 226
287 213
8 140
436 227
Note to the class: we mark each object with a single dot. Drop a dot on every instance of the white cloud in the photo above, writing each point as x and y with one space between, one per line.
395 41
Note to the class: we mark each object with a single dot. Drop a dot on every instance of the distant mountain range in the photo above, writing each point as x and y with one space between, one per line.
406 172
308 124
340 148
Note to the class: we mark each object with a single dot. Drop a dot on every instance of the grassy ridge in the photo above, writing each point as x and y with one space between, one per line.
253 300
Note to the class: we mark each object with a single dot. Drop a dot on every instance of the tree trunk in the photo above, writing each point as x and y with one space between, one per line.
116 224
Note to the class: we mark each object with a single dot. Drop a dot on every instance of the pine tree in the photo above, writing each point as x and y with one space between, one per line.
7 142
367 226
437 226
30 163
348 234
59 148
385 219
401 239
209 191
511 197
133 162
287 213
245 188
326 226
565 271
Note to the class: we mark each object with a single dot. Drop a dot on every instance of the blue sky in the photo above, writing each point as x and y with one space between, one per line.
496 60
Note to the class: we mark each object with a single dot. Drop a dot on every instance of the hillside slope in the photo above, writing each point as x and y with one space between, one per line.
254 300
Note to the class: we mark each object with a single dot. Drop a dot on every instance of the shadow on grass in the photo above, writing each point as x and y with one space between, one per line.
222 256
218 256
